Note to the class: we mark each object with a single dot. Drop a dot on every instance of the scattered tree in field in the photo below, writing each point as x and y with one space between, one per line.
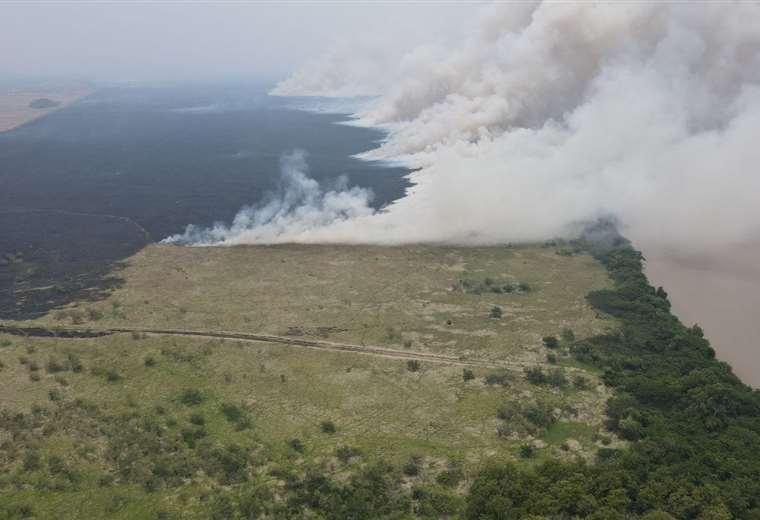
467 375
496 312
413 365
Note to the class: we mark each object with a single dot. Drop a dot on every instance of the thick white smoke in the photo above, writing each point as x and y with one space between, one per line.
540 116
289 215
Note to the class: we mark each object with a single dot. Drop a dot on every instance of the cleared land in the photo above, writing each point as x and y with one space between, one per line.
15 110
430 305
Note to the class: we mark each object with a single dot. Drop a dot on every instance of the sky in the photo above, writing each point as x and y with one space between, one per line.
206 41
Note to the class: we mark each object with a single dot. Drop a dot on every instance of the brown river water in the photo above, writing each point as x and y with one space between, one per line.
720 292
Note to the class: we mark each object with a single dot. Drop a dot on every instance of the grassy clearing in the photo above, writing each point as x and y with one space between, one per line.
273 401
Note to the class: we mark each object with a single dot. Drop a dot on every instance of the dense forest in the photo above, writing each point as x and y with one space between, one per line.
694 426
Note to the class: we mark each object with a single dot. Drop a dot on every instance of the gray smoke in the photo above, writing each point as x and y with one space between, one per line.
289 215
538 116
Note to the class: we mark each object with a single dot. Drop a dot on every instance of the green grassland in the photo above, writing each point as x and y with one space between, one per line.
151 426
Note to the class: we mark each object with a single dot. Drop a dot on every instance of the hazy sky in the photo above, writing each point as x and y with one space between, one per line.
160 41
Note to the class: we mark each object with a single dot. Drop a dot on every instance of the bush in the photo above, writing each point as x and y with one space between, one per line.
527 451
112 376
296 445
550 342
557 378
412 365
346 453
236 415
197 419
580 382
551 357
467 375
497 378
191 397
450 477
149 361
496 312
535 375
411 468
74 363
327 427
53 366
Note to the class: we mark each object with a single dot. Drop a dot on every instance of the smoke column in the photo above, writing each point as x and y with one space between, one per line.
537 117
289 215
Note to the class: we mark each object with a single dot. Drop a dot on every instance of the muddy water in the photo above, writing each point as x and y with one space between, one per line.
720 292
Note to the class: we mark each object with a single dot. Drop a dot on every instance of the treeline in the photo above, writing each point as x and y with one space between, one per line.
693 426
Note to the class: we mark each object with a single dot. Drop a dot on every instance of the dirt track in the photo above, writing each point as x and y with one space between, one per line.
81 333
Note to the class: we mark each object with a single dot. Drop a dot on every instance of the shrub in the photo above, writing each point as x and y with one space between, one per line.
527 451
551 357
413 365
197 419
55 395
345 453
535 375
327 427
557 378
497 378
191 397
149 361
54 366
580 382
112 376
34 376
450 477
296 445
467 375
411 469
94 314
74 363
550 342
32 460
232 412
496 312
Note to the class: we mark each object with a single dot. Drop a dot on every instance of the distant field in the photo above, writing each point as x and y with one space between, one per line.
15 110
420 299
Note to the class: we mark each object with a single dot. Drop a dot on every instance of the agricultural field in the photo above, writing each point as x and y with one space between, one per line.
15 109
434 360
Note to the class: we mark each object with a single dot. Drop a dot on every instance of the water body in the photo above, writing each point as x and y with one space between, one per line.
91 184
721 292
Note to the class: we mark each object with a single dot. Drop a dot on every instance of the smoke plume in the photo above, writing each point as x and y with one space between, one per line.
539 116
300 207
